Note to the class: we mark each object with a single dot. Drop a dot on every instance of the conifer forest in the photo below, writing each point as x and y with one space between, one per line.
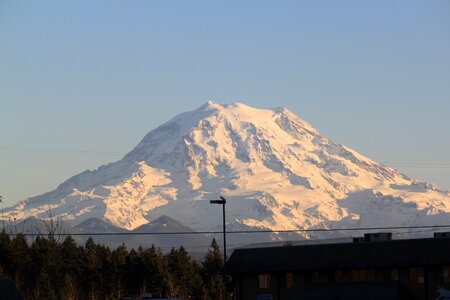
49 268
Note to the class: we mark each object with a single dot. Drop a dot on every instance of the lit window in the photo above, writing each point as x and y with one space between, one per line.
315 277
288 280
416 275
394 274
264 281
358 275
363 275
446 274
338 276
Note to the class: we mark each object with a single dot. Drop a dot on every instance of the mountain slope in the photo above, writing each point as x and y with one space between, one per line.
275 170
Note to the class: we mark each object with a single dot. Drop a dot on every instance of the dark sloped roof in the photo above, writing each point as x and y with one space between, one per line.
412 252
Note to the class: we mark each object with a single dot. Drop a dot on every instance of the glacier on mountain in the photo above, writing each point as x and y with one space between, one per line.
275 170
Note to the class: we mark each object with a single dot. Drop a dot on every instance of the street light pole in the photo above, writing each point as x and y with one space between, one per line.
223 202
224 232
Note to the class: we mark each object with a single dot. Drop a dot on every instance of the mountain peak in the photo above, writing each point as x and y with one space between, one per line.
275 170
237 108
210 105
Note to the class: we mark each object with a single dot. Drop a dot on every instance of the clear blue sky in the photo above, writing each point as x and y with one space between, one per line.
93 77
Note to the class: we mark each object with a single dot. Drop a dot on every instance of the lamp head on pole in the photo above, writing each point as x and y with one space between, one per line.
221 201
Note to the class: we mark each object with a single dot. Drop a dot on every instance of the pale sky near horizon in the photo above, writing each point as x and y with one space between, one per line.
82 82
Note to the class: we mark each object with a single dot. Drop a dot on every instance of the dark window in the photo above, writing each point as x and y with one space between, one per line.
264 281
338 276
416 275
302 280
370 275
394 274
446 274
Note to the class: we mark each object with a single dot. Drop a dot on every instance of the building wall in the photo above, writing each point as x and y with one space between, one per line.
435 285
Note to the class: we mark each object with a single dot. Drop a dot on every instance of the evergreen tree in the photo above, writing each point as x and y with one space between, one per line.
211 267
133 274
185 280
48 269
92 276
71 256
69 290
5 255
119 257
41 261
44 288
156 275
19 253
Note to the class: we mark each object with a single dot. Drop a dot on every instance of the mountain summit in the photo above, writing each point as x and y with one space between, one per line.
275 170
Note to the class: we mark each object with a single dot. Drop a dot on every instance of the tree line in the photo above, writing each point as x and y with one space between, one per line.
47 268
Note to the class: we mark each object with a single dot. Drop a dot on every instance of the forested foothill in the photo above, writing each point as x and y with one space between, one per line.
49 268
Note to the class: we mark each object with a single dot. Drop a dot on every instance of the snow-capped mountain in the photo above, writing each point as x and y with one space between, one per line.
275 170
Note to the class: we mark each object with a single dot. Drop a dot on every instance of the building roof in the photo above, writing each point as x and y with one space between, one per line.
393 253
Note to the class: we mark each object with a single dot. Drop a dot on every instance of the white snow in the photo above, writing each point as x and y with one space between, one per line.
275 170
